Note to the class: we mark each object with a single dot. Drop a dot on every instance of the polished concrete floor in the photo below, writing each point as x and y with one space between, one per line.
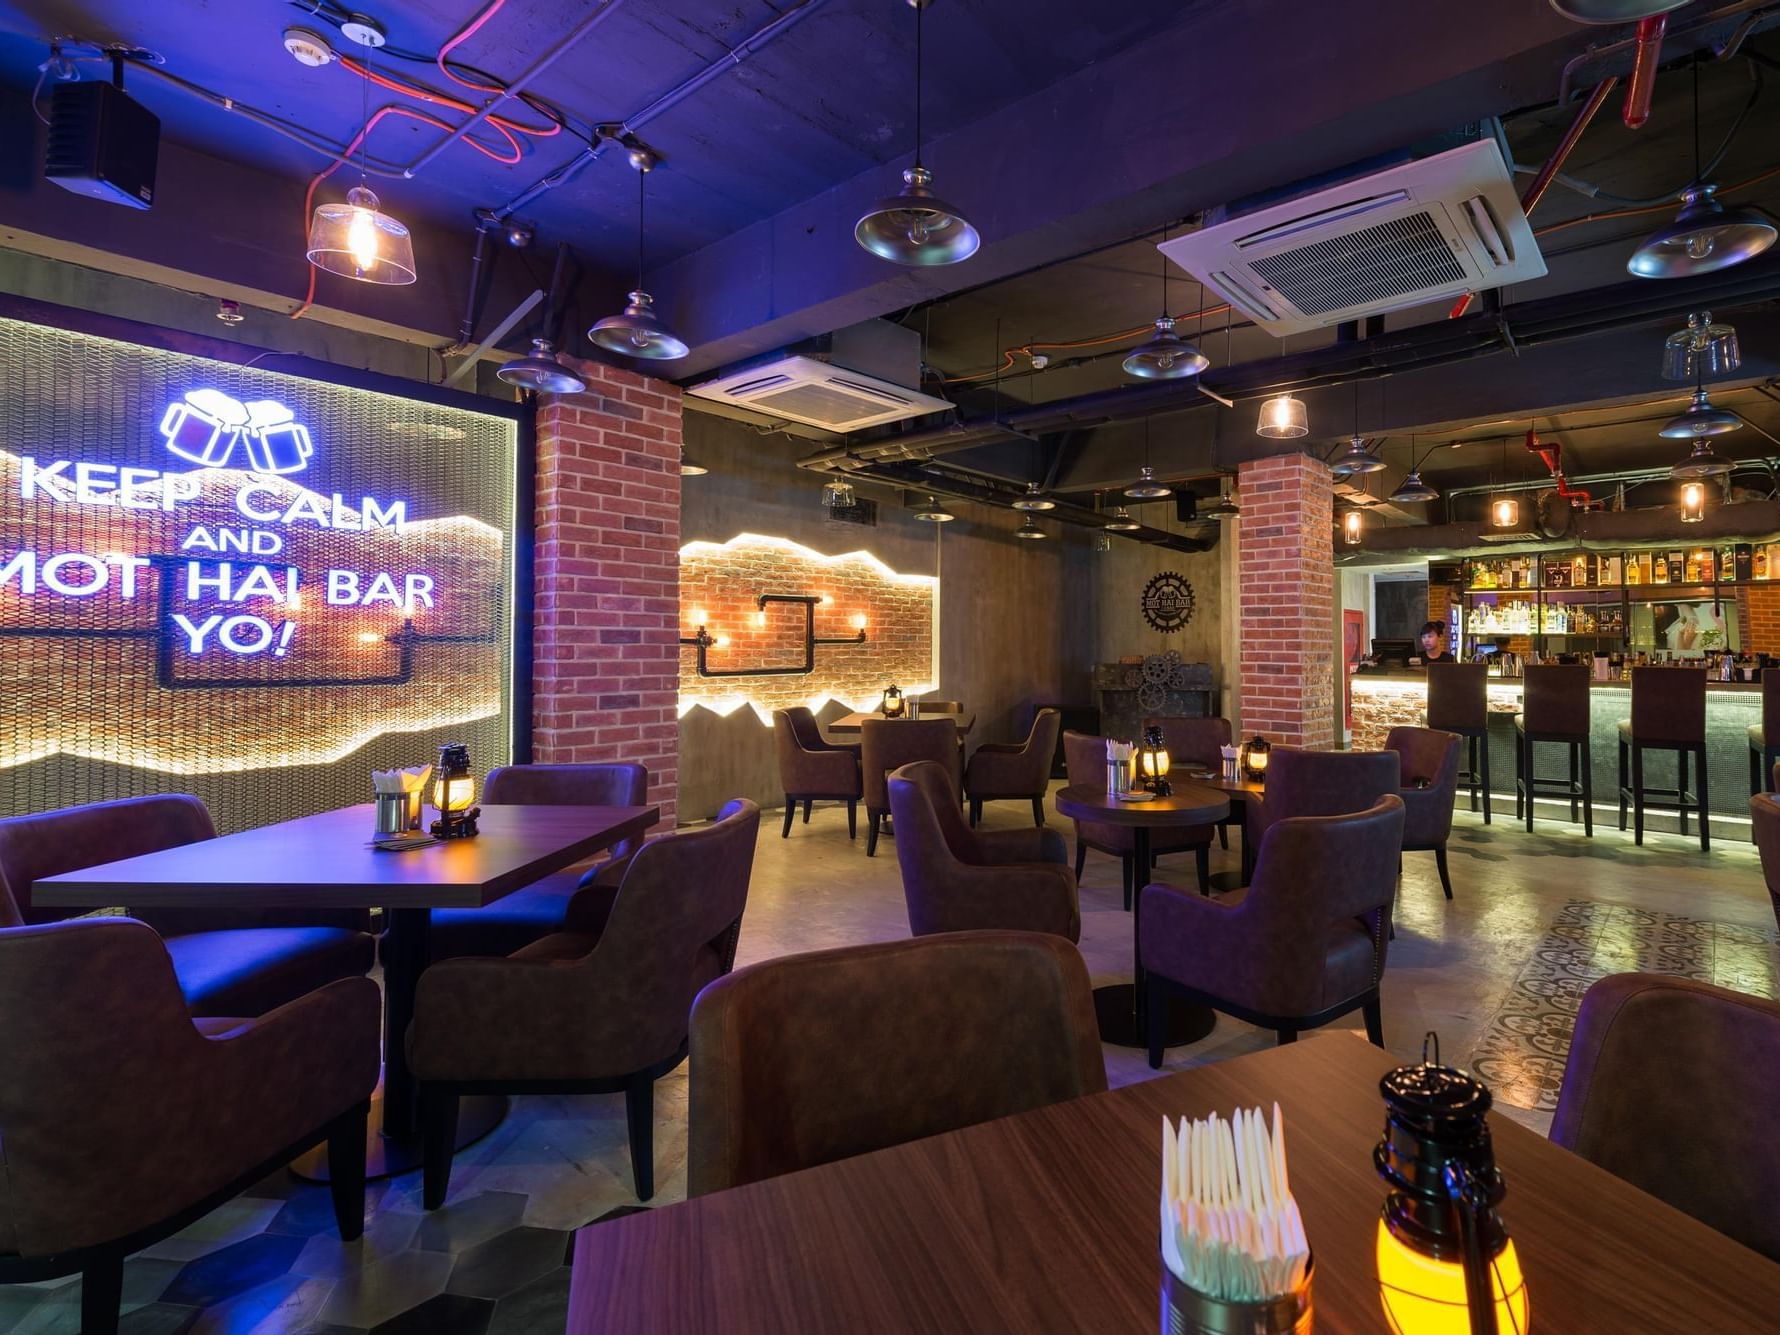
1496 973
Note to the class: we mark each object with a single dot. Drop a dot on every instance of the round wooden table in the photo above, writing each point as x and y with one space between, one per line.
1121 1007
1239 792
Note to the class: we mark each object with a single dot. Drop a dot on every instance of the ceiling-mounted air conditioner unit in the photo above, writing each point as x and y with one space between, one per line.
1430 229
803 389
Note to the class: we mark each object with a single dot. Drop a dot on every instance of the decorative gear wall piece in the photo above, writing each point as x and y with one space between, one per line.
1168 601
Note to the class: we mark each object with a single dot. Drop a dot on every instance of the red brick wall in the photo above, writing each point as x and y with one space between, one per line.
1758 606
1287 559
608 540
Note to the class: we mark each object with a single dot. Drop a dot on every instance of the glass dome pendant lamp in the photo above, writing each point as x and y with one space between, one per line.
637 331
357 239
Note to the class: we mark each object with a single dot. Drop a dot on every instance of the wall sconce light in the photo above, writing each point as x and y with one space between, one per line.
1353 527
1445 1261
1504 512
704 641
1693 502
859 621
454 794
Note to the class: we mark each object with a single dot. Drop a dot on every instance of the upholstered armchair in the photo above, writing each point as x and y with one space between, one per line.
813 769
125 1120
1317 783
1007 770
228 961
596 1008
1428 760
954 880
807 1059
536 910
1764 818
1085 757
1671 1085
889 744
1200 741
1302 945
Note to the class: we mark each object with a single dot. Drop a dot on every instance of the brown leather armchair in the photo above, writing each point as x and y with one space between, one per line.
596 1008
1003 771
125 1120
1671 1085
954 880
1085 757
228 961
807 1059
1200 741
889 744
813 769
1317 783
1301 946
1764 819
1429 786
536 910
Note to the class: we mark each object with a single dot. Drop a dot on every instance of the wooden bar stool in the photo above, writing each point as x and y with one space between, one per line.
1458 701
1554 708
1668 714
1764 737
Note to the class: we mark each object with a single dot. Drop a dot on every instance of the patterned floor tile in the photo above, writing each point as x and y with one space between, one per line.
447 1314
286 1303
541 1305
508 1262
383 1290
230 1222
233 1269
387 1234
462 1223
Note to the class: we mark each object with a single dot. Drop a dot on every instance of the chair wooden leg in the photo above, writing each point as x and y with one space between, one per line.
1223 836
1128 866
1038 811
1081 858
438 1138
1532 753
1705 831
852 819
1623 780
1681 787
1154 1025
1575 779
806 811
1754 772
346 1170
1287 1034
1445 877
101 1293
1483 746
1374 1022
790 815
1588 792
871 834
639 1112
1637 794
976 811
1202 864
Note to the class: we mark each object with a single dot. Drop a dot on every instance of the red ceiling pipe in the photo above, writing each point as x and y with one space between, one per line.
1552 456
1554 164
1650 51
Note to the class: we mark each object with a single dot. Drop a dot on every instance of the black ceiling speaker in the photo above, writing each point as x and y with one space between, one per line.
102 144
1186 507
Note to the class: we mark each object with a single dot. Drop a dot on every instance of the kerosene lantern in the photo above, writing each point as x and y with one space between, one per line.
1254 758
1152 763
892 704
1446 1265
454 794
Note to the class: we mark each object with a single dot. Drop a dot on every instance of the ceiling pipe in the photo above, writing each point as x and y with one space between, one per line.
1648 56
1552 455
1693 36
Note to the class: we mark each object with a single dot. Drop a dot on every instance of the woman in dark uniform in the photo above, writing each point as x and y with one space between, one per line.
1434 648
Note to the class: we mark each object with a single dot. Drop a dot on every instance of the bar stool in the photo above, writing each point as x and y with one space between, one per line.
1668 714
1554 708
1458 701
1764 737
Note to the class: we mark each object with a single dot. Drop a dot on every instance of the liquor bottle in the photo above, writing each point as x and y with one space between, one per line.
1745 560
1633 566
1610 571
1727 565
1690 568
1758 562
1578 572
1593 571
1677 567
1659 568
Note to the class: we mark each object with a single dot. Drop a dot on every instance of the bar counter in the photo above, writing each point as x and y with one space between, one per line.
1384 700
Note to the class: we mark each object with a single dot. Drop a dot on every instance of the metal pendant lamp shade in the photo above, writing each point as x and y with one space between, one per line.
1702 463
1413 490
1120 521
690 467
917 227
1700 350
1614 11
540 371
1704 237
932 512
1358 459
1701 419
1030 531
1222 508
1146 488
1167 356
1283 418
358 240
1034 499
637 331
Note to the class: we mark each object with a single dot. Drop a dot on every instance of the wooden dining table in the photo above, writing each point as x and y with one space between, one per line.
851 722
1047 1221
325 861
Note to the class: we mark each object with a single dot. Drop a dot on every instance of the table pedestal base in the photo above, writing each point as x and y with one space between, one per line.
1115 1010
386 1156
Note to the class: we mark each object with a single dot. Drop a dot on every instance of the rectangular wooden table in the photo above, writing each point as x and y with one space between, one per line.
851 722
325 862
1048 1222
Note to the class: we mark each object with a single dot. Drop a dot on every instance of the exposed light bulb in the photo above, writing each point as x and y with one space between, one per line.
859 621
1693 503
1504 512
361 238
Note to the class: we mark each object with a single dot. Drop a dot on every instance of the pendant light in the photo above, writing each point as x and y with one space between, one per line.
1505 508
1167 356
539 371
1119 520
1146 488
1030 531
1700 420
1412 490
1225 507
1034 499
933 513
1283 418
917 227
1353 527
1701 349
357 239
1705 235
637 331
1357 458
689 467
1614 11
1704 461
1693 502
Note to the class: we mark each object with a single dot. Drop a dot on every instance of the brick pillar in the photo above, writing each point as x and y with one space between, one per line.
1287 601
606 666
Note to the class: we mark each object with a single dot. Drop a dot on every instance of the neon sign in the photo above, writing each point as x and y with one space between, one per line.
207 424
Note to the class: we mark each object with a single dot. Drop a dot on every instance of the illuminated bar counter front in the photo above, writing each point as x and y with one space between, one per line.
1385 700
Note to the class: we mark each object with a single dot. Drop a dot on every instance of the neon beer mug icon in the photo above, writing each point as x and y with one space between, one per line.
206 425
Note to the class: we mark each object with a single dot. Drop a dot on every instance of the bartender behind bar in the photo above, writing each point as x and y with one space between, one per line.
1433 642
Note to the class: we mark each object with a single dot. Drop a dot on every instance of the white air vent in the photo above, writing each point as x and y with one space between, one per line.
802 389
1428 230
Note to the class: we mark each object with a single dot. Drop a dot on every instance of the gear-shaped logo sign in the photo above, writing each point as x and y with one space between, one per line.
1168 601
206 425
